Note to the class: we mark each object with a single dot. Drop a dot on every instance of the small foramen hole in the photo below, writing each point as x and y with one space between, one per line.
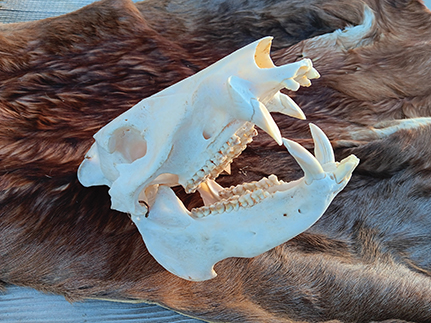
285 214
299 211
206 135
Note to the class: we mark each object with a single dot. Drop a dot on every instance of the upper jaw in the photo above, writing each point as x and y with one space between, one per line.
221 160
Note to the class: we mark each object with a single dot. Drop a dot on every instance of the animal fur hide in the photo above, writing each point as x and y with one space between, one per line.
367 259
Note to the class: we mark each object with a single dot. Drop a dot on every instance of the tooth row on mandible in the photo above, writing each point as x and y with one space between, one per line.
233 203
241 189
223 157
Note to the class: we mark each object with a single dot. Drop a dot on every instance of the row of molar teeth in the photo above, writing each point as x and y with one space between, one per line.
223 157
264 184
233 203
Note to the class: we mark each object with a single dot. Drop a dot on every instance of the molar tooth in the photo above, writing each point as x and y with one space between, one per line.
234 140
196 213
266 194
257 195
207 211
225 148
219 158
235 205
206 171
204 211
195 177
239 190
210 165
273 180
213 209
249 200
264 183
243 201
224 194
220 207
250 186
261 183
228 207
309 164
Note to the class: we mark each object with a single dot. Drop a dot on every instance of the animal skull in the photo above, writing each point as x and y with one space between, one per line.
187 135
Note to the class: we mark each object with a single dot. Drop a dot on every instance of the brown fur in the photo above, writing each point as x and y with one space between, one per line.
367 259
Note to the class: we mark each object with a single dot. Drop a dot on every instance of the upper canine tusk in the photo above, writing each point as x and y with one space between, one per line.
262 118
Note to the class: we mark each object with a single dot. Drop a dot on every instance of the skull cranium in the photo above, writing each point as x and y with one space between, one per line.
187 135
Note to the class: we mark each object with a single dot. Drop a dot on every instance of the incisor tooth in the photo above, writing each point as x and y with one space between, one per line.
303 80
291 84
309 164
345 168
312 73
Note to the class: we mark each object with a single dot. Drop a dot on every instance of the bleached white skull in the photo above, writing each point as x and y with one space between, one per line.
187 135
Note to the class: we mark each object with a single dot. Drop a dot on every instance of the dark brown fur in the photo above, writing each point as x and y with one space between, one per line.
367 259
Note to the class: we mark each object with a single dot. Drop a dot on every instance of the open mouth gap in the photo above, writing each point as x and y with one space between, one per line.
214 198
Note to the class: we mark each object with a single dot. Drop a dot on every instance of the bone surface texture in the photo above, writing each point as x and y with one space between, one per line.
187 135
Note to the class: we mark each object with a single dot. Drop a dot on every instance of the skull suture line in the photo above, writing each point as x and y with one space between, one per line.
187 135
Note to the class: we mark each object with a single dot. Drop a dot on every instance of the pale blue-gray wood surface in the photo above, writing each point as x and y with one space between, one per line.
19 304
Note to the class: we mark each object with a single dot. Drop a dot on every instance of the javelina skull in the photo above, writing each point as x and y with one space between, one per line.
187 135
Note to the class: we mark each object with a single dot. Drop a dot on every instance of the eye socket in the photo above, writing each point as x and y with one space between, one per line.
129 143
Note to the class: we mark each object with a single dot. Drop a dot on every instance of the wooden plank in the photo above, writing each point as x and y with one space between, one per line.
27 10
27 305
